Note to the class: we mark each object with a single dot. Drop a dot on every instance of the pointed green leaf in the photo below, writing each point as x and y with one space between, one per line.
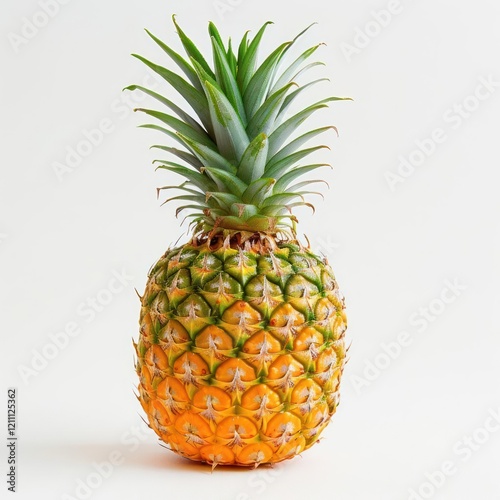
161 129
248 63
243 211
214 33
290 98
225 199
192 96
192 50
207 156
242 50
232 61
203 76
232 139
200 199
300 185
179 60
182 187
180 126
283 132
286 178
305 30
280 199
296 144
253 162
289 74
258 190
290 206
284 181
273 210
280 167
178 111
258 87
198 208
183 155
232 184
227 82
264 120
202 181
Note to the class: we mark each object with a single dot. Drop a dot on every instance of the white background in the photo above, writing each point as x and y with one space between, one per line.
61 240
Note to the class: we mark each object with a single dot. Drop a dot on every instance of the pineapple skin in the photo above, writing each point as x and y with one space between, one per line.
241 351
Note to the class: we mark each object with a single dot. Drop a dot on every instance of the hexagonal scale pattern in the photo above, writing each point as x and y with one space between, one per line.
240 352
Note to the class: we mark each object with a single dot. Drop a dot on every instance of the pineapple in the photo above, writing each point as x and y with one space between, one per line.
241 345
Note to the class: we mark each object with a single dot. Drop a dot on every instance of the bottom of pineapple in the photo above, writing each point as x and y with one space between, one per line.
243 455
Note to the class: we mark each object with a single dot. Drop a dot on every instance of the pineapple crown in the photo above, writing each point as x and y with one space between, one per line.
240 154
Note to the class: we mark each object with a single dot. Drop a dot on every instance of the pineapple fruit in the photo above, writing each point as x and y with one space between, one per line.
241 344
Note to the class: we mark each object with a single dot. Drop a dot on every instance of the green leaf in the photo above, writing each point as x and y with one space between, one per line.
278 210
242 50
253 162
202 181
231 59
224 199
207 156
243 211
283 132
182 187
280 199
201 200
180 126
162 129
203 77
296 144
214 33
289 74
193 97
227 82
232 184
258 87
183 155
290 98
300 185
280 167
258 190
299 35
198 208
248 62
264 120
178 111
290 206
274 210
232 139
191 49
285 179
179 60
